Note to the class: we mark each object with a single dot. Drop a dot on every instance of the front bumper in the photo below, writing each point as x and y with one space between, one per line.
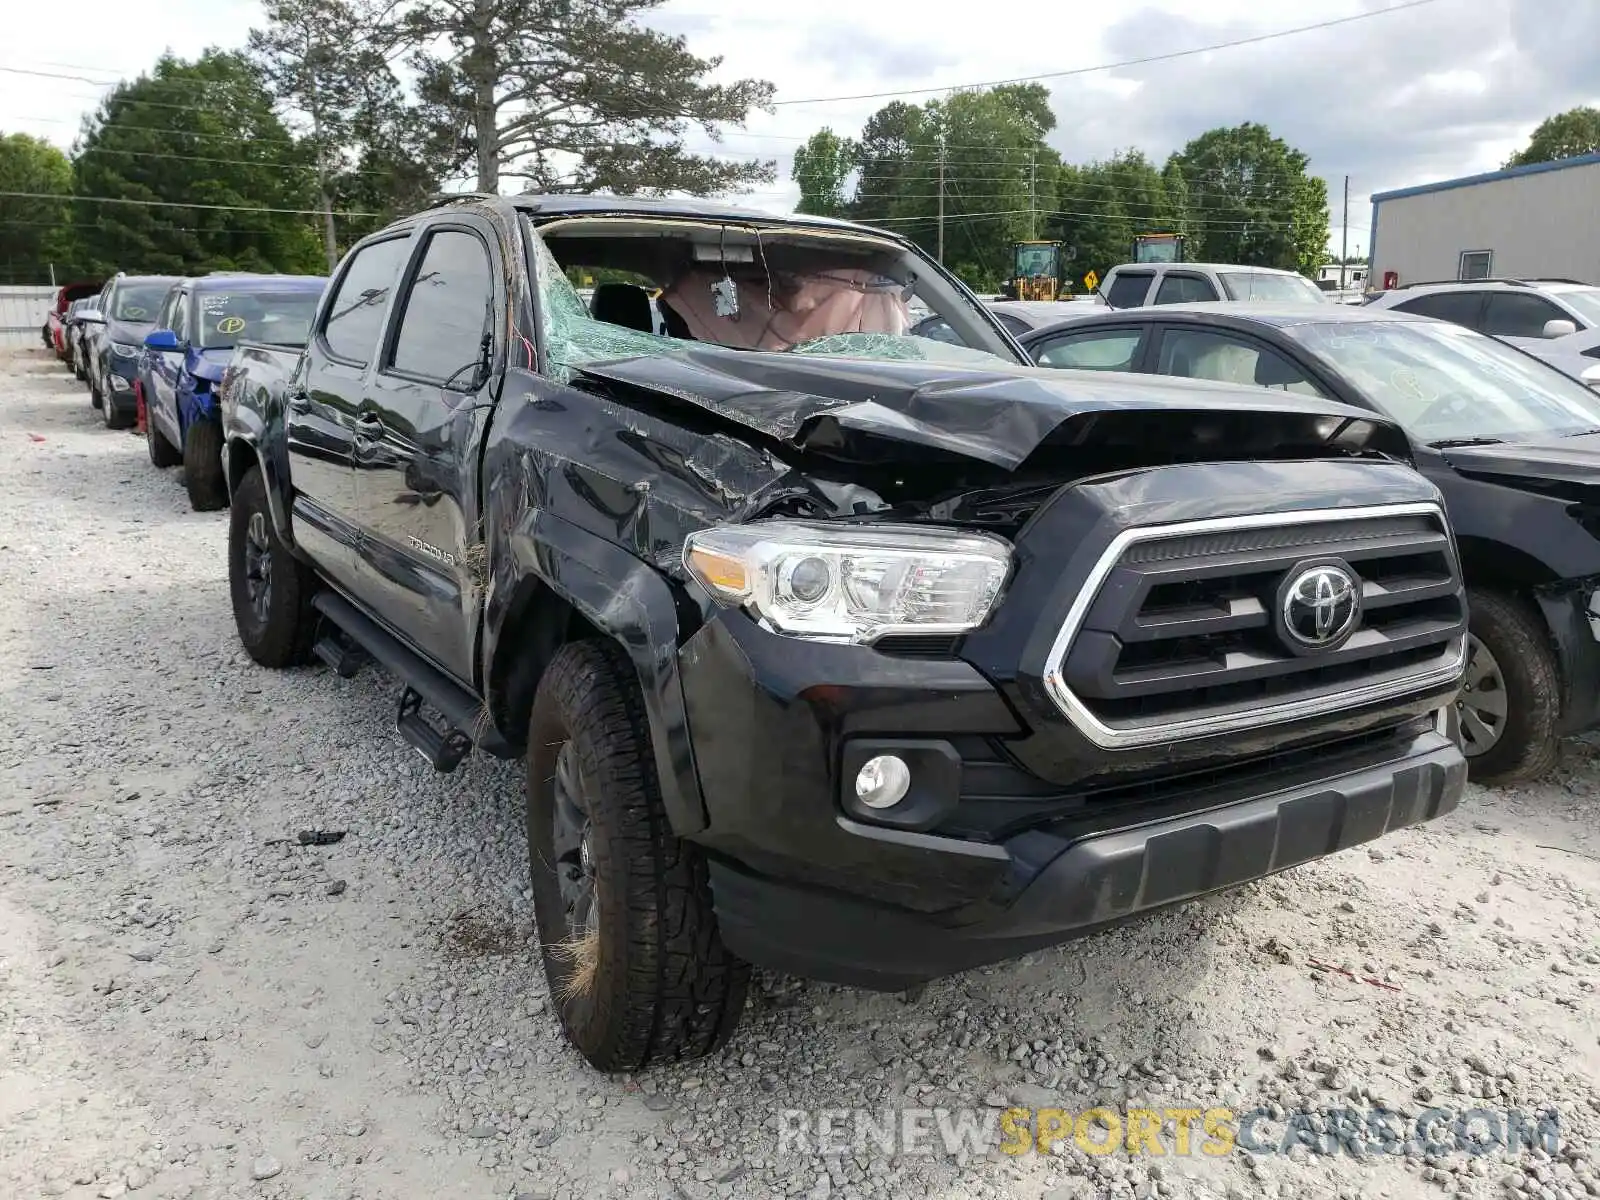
986 858
119 376
1068 883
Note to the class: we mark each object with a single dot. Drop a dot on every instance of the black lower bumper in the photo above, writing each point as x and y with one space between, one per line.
1064 883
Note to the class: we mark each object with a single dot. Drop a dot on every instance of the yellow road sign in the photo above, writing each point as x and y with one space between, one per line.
1091 281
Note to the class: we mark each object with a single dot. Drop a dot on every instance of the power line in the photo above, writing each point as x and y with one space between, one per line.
310 212
1128 62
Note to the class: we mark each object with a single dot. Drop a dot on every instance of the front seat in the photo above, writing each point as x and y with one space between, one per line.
624 304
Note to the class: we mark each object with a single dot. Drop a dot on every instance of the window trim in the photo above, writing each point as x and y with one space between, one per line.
1135 363
1461 265
331 295
1325 389
394 319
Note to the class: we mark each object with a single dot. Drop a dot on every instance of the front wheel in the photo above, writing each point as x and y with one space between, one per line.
1510 702
113 416
202 466
271 589
636 967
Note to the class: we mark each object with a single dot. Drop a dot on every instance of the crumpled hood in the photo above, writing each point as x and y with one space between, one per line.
998 414
1556 460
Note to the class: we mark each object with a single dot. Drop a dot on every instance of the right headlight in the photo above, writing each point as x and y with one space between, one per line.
123 350
851 583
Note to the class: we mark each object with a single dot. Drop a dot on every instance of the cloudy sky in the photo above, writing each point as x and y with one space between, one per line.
1444 88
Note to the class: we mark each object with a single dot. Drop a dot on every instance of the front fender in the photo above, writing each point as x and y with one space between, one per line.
628 601
244 452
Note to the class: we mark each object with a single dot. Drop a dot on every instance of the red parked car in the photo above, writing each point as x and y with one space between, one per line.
54 334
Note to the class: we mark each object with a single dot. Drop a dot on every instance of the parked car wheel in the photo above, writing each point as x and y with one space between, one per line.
113 417
635 965
202 466
162 452
96 400
1510 703
271 589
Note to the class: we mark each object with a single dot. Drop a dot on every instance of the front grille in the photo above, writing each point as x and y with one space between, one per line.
1182 631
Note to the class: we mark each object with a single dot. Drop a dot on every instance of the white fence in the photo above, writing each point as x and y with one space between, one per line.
22 314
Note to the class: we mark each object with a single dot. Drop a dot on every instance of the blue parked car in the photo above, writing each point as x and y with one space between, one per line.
188 351
128 309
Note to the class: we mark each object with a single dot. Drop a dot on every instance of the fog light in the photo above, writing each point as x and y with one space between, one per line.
883 781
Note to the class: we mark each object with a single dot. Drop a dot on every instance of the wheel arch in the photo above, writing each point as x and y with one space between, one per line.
554 583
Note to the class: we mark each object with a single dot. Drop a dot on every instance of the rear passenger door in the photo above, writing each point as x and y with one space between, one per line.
416 470
320 407
1519 316
1128 289
1464 307
1185 287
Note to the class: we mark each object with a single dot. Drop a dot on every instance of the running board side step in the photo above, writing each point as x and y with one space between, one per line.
424 684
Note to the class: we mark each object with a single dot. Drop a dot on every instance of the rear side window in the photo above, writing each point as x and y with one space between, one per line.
1520 314
355 315
1459 308
1202 354
447 310
1128 289
1184 289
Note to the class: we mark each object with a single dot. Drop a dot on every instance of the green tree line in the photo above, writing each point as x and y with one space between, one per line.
1237 194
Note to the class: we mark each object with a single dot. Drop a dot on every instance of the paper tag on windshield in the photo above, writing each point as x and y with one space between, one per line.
725 297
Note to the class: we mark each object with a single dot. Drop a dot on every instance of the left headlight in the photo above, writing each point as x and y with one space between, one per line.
122 350
853 583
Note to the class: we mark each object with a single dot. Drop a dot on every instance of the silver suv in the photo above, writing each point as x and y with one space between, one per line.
1134 285
1520 311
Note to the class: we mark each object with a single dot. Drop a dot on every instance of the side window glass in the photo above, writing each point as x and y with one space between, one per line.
1519 314
1184 289
1128 289
355 316
179 316
1015 325
1194 354
1103 350
447 310
1460 308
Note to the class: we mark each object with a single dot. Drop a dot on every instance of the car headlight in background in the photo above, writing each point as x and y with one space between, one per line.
851 583
122 351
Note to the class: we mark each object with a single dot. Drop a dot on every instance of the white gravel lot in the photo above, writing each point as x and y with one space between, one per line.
194 1004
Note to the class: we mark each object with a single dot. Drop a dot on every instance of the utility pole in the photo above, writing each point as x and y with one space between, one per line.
940 255
1344 236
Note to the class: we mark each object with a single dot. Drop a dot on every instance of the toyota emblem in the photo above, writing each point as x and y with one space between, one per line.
1319 606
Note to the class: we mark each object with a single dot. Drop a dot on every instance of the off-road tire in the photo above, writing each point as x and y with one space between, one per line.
163 453
202 466
285 637
1512 631
664 986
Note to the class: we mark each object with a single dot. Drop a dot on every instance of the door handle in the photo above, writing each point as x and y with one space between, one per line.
369 426
298 402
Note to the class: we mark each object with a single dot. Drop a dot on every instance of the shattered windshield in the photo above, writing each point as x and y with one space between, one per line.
1446 384
656 285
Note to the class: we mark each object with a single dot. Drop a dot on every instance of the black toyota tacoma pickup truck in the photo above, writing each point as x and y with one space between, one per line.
829 648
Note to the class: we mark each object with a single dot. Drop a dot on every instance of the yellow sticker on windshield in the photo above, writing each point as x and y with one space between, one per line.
230 325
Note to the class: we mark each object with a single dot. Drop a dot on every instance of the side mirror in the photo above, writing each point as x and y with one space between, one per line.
91 316
161 339
1559 327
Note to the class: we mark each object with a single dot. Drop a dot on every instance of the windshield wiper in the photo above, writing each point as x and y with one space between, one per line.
1580 433
1449 443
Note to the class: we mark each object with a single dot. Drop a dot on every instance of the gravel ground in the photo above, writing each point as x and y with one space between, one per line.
192 1003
